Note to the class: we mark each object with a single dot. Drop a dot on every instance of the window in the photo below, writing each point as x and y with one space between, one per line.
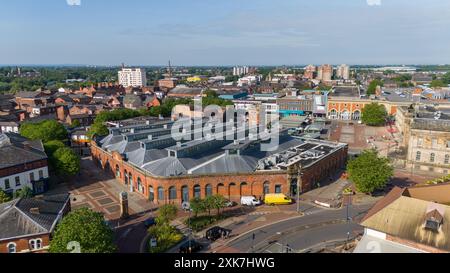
140 188
447 159
41 174
419 142
117 171
197 191
17 181
172 193
11 248
160 193
266 187
208 190
418 156
32 177
7 184
432 157
434 143
278 189
35 244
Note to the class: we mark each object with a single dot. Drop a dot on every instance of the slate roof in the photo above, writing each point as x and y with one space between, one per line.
16 150
17 220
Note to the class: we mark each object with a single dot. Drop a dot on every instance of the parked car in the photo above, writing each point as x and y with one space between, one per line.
150 222
215 233
277 199
190 247
250 201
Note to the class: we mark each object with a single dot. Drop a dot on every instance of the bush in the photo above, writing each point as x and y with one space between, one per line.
4 197
201 222
166 237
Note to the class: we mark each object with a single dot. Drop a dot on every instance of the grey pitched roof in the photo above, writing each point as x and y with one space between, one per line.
141 156
17 219
169 166
227 164
16 150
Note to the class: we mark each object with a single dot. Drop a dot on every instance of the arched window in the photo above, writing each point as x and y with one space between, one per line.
130 177
172 193
151 194
418 156
11 248
185 194
266 187
208 190
221 189
244 189
160 194
125 175
117 171
140 187
432 157
333 114
197 191
35 244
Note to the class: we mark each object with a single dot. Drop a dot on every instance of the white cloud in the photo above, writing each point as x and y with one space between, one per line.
73 2
374 2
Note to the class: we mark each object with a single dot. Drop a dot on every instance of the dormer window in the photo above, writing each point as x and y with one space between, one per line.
433 220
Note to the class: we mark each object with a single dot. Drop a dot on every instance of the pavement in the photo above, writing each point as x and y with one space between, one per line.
95 189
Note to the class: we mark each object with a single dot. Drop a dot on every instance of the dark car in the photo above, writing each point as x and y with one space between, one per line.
215 233
190 247
150 222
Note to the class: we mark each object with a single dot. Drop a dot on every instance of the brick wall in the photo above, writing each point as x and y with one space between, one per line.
231 186
23 244
23 168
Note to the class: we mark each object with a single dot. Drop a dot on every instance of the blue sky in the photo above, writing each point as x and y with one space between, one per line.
225 32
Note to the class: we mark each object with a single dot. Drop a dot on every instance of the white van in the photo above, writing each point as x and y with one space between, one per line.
250 201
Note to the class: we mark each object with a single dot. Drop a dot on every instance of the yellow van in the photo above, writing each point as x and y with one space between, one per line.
277 199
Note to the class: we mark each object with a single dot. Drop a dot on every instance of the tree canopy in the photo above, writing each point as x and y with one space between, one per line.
46 131
370 172
86 227
374 114
373 86
66 162
25 192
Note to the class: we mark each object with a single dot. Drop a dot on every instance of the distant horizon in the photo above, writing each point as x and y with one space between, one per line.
229 66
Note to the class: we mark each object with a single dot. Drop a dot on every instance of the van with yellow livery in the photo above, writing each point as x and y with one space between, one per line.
277 199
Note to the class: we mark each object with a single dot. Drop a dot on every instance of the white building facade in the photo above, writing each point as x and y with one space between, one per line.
132 77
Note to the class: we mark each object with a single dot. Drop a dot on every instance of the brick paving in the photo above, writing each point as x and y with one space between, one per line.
94 189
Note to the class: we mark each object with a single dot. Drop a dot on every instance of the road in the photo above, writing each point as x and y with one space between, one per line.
317 226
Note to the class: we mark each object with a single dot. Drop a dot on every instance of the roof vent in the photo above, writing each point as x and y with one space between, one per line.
35 211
